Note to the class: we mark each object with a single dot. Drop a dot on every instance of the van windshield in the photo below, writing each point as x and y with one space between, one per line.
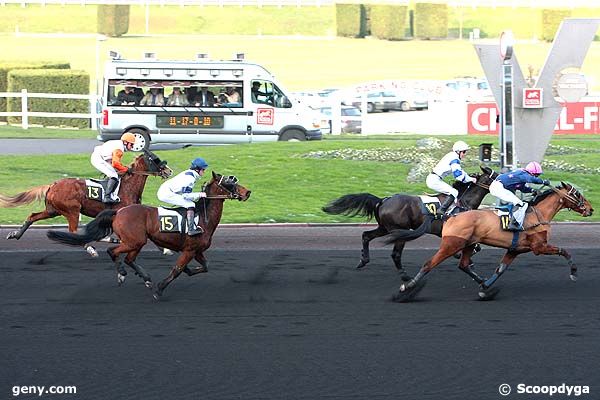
175 93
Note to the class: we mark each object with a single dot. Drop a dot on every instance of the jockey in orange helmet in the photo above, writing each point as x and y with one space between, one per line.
106 158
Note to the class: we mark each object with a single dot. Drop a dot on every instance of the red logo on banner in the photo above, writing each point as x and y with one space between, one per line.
532 98
265 116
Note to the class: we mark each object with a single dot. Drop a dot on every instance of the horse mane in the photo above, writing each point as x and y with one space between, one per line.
537 199
462 186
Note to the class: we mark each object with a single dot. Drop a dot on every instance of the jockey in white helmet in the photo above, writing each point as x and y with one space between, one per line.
449 164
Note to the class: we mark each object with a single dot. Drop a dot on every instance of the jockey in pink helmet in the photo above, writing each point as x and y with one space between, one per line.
506 184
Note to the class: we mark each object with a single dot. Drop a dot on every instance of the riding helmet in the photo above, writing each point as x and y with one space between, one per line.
199 163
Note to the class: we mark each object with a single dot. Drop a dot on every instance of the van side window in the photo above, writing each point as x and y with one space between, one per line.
265 92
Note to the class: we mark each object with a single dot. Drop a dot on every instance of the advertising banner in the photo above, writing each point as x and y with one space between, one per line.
575 118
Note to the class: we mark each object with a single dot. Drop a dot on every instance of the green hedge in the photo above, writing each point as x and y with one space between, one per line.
388 21
551 19
113 20
351 20
50 81
431 20
7 66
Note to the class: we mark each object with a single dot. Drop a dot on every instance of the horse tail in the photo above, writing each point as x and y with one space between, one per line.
36 193
409 234
351 205
97 229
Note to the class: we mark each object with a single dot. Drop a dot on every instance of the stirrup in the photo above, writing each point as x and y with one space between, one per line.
195 231
109 200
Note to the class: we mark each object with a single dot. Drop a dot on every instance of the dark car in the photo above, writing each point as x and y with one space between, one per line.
351 121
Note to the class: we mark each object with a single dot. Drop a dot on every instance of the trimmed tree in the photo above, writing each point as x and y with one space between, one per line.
351 20
113 20
431 20
388 21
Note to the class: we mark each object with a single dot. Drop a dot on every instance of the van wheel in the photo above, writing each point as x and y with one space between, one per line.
404 106
370 107
142 139
293 135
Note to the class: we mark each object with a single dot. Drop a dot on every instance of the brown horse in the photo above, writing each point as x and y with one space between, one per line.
463 231
135 224
68 197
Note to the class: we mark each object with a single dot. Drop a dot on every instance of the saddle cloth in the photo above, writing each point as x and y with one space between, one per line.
504 217
95 189
429 206
173 220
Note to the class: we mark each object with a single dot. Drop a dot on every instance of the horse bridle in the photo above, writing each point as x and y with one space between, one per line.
574 197
484 186
161 167
231 194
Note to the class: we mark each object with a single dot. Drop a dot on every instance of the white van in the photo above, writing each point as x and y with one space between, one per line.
199 102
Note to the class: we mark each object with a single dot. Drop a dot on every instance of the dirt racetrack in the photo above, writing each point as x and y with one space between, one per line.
277 321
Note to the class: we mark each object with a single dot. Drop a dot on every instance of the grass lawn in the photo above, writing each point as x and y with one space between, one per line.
299 63
15 132
290 182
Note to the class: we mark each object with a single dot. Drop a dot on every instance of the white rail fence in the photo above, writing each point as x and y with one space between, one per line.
25 114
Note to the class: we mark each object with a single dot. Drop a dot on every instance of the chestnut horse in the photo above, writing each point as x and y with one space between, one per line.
135 224
404 212
68 197
463 231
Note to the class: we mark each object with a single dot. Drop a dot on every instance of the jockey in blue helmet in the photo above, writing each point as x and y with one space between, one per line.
178 191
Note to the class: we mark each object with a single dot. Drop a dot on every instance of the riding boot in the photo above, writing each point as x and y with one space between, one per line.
192 229
447 203
110 187
514 225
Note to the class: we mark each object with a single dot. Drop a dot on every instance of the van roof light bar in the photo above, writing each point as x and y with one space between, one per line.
115 55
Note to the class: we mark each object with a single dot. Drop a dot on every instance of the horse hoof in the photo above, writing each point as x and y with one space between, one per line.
573 277
167 252
156 295
406 294
120 279
488 294
11 235
148 284
361 263
91 251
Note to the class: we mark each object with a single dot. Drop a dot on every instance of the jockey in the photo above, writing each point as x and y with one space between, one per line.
506 184
106 158
178 191
449 164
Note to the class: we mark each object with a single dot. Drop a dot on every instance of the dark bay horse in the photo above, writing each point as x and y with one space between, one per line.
404 212
68 197
135 224
463 231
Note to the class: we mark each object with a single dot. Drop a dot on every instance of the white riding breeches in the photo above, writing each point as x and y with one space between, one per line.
103 166
520 213
498 190
436 183
168 196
